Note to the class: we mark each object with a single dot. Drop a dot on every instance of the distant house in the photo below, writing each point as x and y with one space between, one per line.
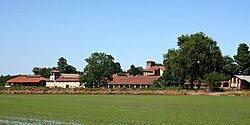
27 81
63 80
153 70
132 81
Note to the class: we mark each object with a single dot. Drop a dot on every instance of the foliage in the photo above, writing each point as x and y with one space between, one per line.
159 84
62 64
229 67
117 68
64 67
135 70
174 73
71 69
213 79
45 72
99 70
3 79
122 74
125 109
196 56
159 64
242 58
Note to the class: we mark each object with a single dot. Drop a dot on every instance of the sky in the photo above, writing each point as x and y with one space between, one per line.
36 33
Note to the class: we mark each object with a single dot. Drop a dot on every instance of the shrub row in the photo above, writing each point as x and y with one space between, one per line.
125 91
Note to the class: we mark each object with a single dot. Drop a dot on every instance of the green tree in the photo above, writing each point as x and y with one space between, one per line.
45 72
229 67
213 79
3 79
242 59
36 70
70 69
196 56
98 71
117 68
174 73
62 65
135 70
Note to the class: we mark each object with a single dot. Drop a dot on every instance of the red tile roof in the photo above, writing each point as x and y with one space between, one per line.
135 80
68 78
27 79
153 68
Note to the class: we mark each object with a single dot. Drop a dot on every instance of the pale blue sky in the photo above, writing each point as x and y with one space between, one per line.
38 32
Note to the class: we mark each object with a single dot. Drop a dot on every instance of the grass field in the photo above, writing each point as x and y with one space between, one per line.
123 109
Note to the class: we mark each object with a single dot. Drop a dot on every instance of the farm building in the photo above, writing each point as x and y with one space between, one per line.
153 70
26 81
63 80
132 81
240 82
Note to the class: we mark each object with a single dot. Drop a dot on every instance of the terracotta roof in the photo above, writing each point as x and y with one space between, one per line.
136 80
68 78
153 68
69 75
27 79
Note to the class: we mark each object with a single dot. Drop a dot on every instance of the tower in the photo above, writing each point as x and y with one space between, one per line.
54 74
150 64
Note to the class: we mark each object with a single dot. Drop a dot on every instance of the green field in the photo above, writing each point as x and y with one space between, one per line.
123 109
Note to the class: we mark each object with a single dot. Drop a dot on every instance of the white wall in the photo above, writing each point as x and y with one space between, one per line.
63 84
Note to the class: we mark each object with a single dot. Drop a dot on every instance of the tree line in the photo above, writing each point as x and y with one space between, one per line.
197 58
62 66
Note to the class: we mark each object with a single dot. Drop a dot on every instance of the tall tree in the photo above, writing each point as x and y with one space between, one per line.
174 73
196 56
229 66
117 68
98 71
62 65
242 59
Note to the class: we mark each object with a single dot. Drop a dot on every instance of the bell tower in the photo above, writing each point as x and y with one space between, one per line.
150 64
54 74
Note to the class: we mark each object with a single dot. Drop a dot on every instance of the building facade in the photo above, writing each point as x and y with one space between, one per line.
132 81
63 80
153 70
240 82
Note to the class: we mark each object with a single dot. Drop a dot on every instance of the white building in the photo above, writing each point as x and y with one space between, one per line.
62 80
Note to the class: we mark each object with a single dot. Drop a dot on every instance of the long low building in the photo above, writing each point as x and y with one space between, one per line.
132 81
26 81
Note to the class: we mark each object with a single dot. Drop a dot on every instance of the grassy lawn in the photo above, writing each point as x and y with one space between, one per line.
123 109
